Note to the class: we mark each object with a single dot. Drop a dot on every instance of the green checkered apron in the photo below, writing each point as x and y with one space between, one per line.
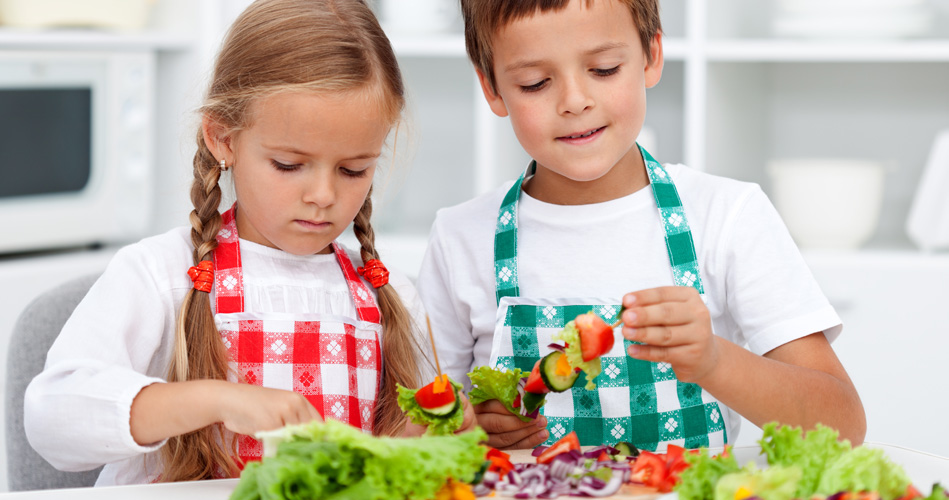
636 401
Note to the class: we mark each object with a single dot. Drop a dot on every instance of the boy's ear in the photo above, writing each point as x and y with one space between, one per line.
494 100
217 139
653 70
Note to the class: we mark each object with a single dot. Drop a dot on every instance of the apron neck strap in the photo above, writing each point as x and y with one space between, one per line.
678 235
229 277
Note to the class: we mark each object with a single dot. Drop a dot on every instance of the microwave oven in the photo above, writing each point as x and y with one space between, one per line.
76 139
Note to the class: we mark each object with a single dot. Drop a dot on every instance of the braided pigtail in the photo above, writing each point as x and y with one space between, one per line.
199 353
400 348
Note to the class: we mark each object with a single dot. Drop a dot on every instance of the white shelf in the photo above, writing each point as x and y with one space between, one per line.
92 40
441 45
765 50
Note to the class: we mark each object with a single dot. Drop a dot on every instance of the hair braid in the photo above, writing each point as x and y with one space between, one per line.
199 353
399 341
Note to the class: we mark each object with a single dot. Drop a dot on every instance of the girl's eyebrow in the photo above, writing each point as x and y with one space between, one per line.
539 62
293 150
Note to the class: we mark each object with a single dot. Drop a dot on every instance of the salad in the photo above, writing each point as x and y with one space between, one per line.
812 465
334 460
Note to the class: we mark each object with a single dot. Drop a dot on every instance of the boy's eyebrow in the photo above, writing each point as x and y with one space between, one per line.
596 50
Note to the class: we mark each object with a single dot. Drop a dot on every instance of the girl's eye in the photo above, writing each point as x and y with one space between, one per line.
283 167
535 87
354 173
605 72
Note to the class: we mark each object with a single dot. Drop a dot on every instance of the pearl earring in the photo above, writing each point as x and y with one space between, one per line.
223 166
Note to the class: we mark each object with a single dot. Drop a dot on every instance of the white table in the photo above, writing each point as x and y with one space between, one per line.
924 469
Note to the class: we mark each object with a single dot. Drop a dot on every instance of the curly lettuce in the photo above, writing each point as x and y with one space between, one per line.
699 480
774 483
864 469
490 383
571 336
812 452
438 425
332 460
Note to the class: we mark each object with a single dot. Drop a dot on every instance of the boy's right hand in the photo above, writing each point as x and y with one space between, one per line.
248 409
506 430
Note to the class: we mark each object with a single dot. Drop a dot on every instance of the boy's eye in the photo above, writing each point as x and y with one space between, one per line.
283 167
605 72
535 87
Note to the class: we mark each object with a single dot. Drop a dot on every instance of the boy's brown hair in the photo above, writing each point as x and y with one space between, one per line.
483 19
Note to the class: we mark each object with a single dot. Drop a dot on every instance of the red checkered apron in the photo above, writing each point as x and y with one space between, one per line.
334 361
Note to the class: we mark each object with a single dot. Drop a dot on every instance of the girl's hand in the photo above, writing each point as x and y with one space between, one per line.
470 421
505 430
675 326
247 409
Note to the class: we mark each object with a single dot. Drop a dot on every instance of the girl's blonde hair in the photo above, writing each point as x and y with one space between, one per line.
279 46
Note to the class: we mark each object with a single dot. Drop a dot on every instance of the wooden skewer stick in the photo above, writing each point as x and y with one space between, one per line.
434 351
618 323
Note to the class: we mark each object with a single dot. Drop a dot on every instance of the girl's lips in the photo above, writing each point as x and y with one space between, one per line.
313 225
583 137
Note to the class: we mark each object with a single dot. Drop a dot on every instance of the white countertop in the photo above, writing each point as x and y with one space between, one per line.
924 469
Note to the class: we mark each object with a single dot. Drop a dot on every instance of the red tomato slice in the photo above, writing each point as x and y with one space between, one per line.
535 383
565 444
500 462
649 469
426 397
911 493
596 337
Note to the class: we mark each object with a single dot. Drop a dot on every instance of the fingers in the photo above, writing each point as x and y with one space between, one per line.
491 406
665 316
528 436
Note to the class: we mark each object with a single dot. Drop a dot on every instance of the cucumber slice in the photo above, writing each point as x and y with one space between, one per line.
548 373
441 411
627 448
532 401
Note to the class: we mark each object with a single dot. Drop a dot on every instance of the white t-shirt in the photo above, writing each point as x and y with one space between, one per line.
120 339
759 291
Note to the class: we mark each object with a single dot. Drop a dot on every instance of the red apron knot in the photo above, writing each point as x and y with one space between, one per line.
375 273
202 275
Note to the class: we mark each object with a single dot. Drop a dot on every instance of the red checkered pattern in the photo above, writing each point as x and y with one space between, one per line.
335 365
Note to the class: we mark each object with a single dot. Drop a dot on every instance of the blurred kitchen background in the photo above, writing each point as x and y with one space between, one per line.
838 108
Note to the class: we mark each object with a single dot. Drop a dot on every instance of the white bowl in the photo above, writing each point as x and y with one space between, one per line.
828 203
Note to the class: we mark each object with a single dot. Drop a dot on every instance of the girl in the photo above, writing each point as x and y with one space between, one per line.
303 96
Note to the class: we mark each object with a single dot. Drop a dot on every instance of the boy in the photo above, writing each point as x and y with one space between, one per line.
702 264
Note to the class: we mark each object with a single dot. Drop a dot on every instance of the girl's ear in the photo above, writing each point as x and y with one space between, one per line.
653 70
494 100
217 139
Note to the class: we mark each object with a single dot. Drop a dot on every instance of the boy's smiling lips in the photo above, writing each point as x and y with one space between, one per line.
582 137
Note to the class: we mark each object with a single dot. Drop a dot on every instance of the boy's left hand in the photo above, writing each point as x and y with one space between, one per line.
675 326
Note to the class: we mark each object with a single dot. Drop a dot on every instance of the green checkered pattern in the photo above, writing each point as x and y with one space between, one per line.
636 401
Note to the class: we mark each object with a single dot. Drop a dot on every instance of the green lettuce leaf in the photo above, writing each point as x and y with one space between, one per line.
699 479
813 452
336 461
438 425
774 483
490 383
864 469
571 336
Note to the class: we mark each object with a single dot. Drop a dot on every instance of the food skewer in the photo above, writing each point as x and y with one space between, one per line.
431 337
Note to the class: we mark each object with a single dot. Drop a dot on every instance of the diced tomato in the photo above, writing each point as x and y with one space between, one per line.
649 469
674 453
500 462
427 397
535 383
596 337
565 444
517 402
603 457
911 493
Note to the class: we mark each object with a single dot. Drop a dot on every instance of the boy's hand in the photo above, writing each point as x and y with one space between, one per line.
505 430
675 326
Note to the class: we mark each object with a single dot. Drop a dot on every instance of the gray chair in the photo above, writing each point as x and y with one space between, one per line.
33 334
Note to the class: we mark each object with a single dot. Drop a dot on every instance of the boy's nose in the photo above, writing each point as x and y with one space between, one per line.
575 97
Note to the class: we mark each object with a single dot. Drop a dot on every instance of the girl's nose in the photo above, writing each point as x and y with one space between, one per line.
575 97
320 189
